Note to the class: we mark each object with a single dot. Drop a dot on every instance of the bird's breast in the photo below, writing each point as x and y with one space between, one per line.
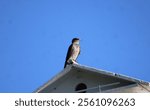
75 52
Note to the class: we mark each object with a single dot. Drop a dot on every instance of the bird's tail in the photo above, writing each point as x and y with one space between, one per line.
65 64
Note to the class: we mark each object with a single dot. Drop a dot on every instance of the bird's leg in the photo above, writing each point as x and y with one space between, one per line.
74 62
71 61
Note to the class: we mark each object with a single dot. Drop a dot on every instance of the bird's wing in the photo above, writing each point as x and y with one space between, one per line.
69 53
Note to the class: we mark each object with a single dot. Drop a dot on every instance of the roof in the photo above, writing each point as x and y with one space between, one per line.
78 67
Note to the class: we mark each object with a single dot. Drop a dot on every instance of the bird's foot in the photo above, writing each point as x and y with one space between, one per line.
74 62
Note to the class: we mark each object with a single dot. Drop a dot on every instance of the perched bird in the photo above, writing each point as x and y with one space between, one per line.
73 52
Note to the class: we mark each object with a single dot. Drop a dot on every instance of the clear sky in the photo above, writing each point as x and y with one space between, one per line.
35 35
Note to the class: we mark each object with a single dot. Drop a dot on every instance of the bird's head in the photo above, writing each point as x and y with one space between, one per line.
75 41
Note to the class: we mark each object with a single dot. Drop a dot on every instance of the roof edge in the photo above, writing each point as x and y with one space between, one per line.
112 74
53 79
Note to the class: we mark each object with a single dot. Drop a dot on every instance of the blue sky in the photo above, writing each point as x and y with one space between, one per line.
35 35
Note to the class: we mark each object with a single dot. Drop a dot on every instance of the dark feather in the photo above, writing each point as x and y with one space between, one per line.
68 54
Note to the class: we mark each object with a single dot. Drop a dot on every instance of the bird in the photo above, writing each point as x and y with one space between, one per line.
73 52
